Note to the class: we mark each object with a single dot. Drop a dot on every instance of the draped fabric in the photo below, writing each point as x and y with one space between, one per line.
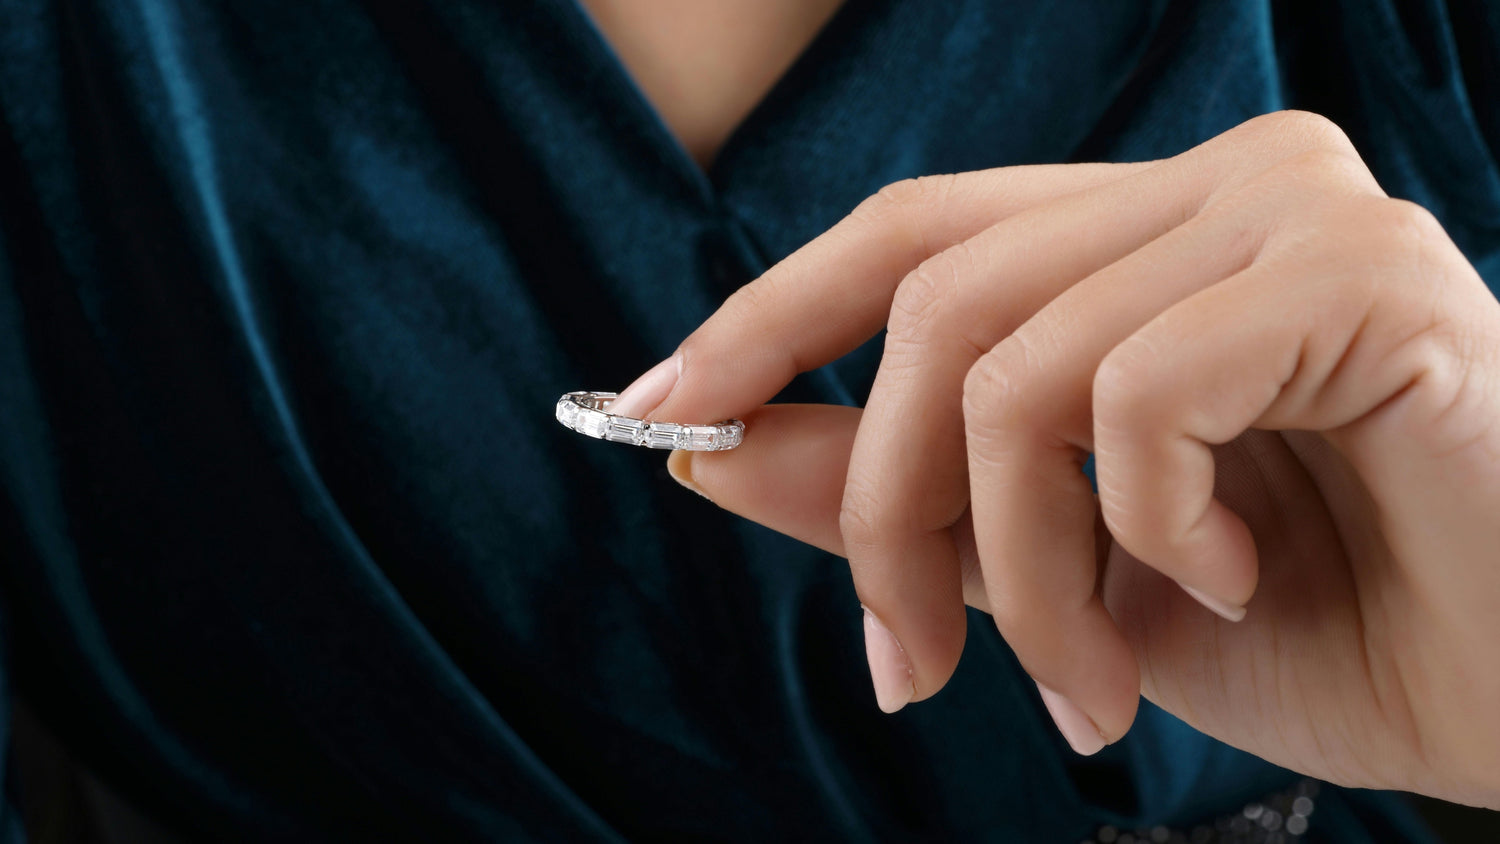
290 545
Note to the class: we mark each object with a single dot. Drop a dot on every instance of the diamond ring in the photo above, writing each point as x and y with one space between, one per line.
587 413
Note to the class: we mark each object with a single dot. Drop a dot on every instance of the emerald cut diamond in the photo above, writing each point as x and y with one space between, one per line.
730 436
625 430
592 423
663 435
697 437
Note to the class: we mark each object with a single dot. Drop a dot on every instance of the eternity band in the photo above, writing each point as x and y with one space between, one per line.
587 413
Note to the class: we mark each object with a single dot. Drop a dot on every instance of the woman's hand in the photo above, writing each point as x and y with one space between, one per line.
1290 382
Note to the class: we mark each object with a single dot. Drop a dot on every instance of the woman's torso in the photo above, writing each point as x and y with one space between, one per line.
287 293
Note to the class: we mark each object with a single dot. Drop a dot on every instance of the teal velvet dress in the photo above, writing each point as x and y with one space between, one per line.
291 547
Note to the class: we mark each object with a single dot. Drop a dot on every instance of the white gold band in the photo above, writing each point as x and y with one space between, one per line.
586 413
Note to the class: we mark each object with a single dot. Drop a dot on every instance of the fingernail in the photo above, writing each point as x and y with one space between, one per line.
1078 728
889 668
1223 608
648 391
680 467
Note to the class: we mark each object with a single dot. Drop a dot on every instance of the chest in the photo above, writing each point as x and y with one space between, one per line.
704 66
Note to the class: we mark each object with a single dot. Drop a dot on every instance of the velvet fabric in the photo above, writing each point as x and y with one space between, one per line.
291 547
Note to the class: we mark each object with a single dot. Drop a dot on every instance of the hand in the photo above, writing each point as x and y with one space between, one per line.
1291 386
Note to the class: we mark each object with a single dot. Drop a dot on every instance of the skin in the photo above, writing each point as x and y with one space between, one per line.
705 66
1289 380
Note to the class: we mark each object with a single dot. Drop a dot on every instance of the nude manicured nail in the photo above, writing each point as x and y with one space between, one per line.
889 668
1076 726
680 467
648 391
1223 608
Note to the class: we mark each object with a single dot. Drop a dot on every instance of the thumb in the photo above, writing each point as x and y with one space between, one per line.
789 476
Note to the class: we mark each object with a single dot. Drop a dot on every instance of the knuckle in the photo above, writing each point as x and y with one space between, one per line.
921 191
1295 205
995 390
1118 518
903 195
859 517
1279 158
1304 130
905 199
1438 350
923 295
1326 169
1404 246
1122 383
1411 242
900 211
1405 226
697 351
895 200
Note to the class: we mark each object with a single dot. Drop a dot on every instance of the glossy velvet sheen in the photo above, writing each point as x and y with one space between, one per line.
292 546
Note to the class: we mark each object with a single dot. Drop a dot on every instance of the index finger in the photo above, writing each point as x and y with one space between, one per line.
833 294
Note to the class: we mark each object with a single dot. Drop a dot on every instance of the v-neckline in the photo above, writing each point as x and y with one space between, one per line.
642 112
